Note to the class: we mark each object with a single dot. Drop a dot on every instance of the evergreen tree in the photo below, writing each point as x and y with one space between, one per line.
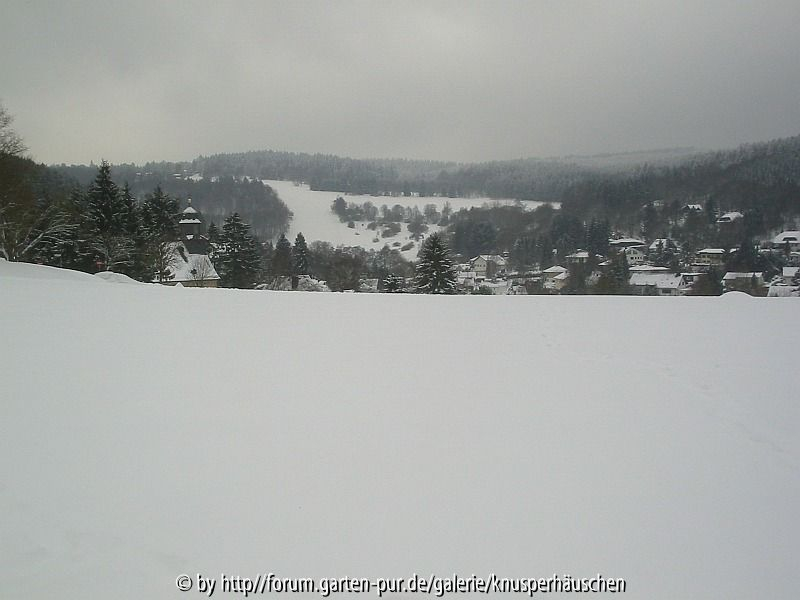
300 255
709 284
597 235
160 214
282 257
649 222
130 221
105 207
616 277
159 229
434 273
345 271
213 234
238 260
523 254
107 218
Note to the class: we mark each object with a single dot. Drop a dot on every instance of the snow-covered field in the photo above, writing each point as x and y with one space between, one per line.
151 431
314 218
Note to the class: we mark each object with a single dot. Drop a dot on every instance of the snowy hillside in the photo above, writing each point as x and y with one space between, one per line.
152 431
315 220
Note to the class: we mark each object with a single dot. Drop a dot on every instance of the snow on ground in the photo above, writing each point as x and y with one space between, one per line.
314 218
152 431
112 277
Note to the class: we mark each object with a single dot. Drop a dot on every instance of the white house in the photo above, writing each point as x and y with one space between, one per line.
487 265
659 284
787 237
710 257
625 243
647 269
580 257
466 279
730 217
635 255
555 277
733 281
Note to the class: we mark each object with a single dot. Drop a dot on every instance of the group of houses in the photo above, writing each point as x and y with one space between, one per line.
493 273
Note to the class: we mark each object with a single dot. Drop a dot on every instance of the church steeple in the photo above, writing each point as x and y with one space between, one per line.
190 222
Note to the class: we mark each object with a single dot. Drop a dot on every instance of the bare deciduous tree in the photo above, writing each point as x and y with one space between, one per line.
10 143
201 270
22 231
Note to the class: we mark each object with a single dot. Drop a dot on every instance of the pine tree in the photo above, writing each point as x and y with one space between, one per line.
159 227
213 234
160 213
130 222
282 257
709 284
105 208
616 278
434 273
106 220
300 255
238 259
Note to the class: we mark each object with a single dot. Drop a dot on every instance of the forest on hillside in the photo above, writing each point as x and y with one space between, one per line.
216 197
761 178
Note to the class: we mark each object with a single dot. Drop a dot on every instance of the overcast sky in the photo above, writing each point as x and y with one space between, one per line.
468 81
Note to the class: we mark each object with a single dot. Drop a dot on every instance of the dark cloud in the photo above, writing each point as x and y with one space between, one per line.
452 80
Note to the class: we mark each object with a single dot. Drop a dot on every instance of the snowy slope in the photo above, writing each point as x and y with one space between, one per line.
314 218
151 431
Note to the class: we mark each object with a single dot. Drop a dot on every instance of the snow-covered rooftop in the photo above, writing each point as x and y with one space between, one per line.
555 269
184 263
732 275
626 242
730 216
665 243
659 280
786 236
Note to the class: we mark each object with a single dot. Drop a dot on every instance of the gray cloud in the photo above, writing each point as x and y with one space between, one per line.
451 80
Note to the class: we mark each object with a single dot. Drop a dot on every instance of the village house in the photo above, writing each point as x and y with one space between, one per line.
730 217
635 255
659 284
752 282
647 269
620 243
555 278
488 265
580 257
498 288
787 238
466 280
710 257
